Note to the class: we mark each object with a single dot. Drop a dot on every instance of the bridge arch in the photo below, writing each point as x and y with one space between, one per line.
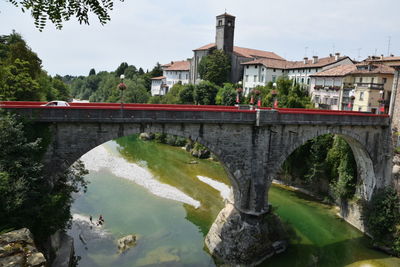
85 137
366 179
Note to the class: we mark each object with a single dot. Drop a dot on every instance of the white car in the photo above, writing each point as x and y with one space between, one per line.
56 103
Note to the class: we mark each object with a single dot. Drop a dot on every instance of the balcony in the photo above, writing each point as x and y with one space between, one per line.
377 86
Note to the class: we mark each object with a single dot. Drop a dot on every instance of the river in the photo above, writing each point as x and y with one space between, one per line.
158 193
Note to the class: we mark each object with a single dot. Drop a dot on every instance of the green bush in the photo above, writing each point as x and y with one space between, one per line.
382 218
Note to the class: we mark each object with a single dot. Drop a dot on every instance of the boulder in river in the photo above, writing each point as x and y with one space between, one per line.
126 243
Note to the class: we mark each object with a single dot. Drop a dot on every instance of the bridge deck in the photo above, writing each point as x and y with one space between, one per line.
115 112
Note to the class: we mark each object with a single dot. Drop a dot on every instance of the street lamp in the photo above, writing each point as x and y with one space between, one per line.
122 87
238 92
257 95
274 93
381 103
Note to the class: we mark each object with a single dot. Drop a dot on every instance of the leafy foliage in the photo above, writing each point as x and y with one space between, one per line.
382 218
24 192
215 67
205 93
226 96
21 75
59 11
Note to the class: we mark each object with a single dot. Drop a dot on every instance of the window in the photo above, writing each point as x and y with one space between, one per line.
384 80
247 66
262 69
372 80
187 76
220 22
179 76
360 80
274 70
302 80
316 99
335 101
308 81
247 78
361 96
255 78
262 78
255 66
273 79
229 23
359 108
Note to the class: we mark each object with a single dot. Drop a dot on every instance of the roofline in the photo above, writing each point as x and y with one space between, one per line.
311 67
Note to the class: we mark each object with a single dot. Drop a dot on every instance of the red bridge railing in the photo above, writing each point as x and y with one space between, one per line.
176 107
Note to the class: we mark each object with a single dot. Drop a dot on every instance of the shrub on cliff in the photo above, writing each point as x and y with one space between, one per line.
382 218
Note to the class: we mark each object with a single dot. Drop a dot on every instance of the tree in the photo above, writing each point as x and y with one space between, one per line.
27 198
381 216
121 69
215 67
60 11
226 95
14 47
156 71
17 84
186 94
92 72
204 93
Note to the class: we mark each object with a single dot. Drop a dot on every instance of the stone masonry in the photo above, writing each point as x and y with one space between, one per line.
251 145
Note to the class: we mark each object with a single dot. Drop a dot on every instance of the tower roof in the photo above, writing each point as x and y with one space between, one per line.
226 15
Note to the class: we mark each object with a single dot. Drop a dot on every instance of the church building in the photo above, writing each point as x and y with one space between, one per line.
224 40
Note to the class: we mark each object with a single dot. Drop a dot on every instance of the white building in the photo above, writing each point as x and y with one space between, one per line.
159 86
261 71
298 71
174 72
332 88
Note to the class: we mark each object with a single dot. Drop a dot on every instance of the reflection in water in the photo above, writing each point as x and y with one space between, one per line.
172 234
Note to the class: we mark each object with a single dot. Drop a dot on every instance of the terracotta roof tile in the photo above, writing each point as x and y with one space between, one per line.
269 63
379 59
179 65
322 62
245 52
338 71
158 78
205 47
376 69
254 53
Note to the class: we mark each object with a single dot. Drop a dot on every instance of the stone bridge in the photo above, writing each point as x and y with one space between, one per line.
251 144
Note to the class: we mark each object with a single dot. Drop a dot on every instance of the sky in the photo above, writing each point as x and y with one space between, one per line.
144 32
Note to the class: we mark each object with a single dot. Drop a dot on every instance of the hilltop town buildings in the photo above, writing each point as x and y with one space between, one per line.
334 82
362 87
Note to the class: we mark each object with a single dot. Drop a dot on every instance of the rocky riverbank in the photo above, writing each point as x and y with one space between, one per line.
17 248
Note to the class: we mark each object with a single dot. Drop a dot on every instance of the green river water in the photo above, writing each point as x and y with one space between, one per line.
172 234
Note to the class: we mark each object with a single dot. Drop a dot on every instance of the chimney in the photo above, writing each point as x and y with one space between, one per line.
314 59
381 56
391 55
305 60
330 55
337 55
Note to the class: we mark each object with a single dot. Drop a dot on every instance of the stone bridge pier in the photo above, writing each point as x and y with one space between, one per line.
251 145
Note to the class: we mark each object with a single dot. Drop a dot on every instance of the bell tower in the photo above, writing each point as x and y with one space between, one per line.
225 29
